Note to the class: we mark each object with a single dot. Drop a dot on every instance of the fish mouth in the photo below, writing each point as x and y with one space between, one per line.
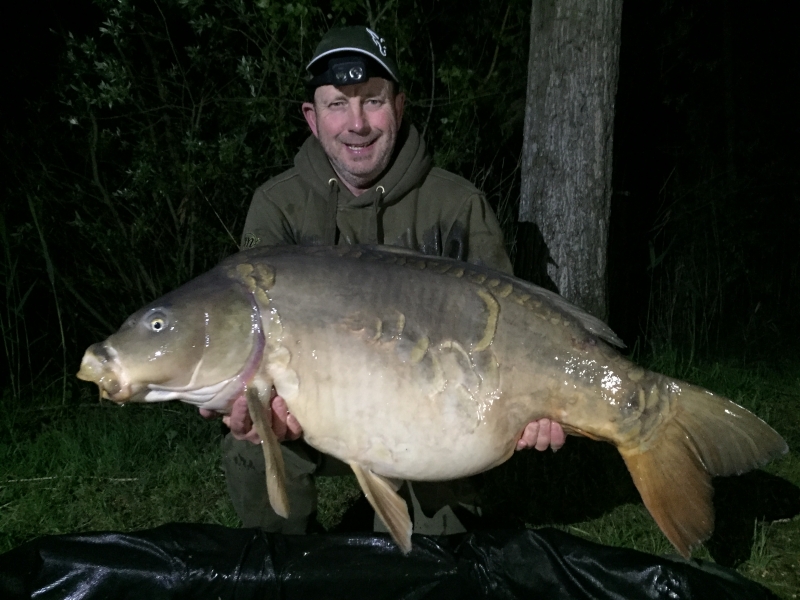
100 366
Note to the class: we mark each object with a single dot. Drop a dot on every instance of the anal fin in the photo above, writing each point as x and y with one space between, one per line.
390 507
258 400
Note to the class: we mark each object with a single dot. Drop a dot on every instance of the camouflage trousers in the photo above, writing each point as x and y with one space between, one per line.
243 463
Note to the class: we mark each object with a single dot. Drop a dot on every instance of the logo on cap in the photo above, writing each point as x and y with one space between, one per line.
379 41
250 241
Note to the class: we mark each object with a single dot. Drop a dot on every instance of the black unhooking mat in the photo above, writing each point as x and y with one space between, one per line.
206 561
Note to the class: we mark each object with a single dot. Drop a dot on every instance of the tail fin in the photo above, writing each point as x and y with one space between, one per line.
707 436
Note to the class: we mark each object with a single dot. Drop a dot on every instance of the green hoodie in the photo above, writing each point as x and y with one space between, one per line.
413 205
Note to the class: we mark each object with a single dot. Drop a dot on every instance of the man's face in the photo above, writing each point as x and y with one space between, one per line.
357 126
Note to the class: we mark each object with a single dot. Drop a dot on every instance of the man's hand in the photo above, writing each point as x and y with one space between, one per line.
283 423
542 434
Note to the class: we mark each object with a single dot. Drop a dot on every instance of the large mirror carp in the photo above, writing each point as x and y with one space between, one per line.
412 367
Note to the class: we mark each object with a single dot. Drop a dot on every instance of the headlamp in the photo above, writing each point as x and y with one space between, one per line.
346 71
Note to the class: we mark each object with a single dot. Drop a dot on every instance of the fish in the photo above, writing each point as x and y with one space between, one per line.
412 367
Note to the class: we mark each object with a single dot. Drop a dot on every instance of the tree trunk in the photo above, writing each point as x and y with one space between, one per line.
566 153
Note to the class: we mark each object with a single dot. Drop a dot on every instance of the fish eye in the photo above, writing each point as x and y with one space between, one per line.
157 322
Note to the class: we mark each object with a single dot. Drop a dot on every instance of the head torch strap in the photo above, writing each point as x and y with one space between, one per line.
347 71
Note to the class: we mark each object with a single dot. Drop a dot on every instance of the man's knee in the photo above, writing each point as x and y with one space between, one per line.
243 465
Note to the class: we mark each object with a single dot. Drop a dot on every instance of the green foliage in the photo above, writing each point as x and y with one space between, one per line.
179 109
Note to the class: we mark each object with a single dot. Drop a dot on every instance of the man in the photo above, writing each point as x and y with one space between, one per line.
362 177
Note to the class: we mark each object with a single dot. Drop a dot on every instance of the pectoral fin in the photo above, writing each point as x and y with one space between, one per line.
258 399
388 504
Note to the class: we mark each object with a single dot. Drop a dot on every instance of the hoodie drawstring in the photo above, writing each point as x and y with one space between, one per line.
376 206
374 232
332 233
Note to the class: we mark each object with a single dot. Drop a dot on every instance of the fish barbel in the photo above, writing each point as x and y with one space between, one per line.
407 366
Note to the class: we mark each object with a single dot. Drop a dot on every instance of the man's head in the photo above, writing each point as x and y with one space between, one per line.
356 109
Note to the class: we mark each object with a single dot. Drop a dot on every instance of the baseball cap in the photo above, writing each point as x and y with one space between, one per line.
348 55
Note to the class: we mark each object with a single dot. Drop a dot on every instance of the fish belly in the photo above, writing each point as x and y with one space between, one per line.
382 406
402 419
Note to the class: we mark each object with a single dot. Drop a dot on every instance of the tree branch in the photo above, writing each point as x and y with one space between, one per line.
497 48
433 84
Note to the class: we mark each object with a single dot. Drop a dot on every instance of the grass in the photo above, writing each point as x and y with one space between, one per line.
101 467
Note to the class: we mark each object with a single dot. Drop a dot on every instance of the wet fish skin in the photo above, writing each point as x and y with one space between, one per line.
412 367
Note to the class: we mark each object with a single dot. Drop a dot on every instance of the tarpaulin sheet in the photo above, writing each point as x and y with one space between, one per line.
206 561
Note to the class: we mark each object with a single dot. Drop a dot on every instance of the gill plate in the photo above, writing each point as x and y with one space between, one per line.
217 396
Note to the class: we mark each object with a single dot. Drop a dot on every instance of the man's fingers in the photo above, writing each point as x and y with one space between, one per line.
242 430
279 414
529 436
239 417
543 441
208 414
557 436
284 424
244 434
293 429
542 434
240 423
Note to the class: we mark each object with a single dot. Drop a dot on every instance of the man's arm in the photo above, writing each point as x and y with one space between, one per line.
266 224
